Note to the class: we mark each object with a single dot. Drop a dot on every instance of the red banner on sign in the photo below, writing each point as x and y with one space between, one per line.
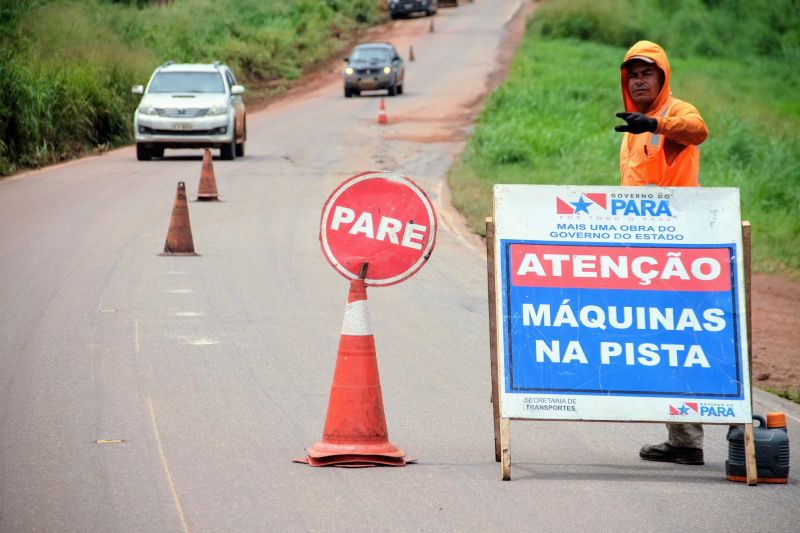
618 267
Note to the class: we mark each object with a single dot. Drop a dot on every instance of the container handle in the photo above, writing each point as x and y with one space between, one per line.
760 419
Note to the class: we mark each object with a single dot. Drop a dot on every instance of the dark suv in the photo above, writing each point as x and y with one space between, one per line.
400 8
371 67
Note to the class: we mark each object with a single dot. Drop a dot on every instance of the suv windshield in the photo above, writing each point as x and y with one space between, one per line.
187 82
371 54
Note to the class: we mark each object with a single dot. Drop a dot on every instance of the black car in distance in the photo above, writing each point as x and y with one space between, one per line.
373 67
404 8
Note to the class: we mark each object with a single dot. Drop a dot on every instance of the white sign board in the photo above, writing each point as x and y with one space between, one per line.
621 303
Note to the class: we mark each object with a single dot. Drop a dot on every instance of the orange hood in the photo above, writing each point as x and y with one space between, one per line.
656 53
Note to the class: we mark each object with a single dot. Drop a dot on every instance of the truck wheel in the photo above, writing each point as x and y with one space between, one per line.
240 146
142 153
228 152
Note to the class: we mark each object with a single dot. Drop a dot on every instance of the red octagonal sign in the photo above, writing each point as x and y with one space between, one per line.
382 219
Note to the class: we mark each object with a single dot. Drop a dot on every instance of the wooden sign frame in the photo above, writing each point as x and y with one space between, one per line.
502 425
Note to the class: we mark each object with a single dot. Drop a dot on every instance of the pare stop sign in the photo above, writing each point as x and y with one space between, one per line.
382 219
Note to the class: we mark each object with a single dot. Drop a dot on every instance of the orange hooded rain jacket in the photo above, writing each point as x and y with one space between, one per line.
669 156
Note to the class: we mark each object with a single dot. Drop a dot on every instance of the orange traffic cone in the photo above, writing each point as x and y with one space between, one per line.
207 190
432 28
179 237
382 118
355 427
411 53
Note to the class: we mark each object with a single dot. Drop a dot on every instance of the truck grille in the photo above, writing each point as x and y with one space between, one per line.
189 112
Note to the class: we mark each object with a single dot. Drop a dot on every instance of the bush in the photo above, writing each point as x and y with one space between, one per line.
710 28
68 91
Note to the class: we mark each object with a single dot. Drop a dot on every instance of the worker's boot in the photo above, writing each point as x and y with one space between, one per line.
671 454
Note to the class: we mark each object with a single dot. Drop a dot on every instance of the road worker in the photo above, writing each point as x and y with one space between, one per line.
659 147
661 132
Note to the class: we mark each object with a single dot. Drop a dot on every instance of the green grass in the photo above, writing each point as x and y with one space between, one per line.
67 66
789 394
552 121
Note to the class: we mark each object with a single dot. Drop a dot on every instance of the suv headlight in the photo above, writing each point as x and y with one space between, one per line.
387 70
216 111
148 110
349 71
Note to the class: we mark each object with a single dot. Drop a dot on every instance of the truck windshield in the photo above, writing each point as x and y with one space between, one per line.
187 82
371 54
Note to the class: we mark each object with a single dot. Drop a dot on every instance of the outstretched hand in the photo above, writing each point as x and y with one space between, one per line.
636 123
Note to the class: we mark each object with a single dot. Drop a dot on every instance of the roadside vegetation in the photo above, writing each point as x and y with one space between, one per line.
552 121
788 393
67 66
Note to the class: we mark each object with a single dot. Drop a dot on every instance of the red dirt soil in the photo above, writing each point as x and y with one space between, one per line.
776 332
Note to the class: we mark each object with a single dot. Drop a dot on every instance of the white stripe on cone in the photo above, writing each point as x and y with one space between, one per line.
356 319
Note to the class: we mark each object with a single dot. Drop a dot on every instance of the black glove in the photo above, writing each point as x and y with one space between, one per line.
636 123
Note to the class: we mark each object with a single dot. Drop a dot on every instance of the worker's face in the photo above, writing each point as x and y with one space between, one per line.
644 83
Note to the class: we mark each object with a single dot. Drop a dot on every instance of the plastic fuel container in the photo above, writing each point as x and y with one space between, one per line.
772 450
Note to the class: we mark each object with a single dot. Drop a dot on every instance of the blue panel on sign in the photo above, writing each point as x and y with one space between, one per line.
621 320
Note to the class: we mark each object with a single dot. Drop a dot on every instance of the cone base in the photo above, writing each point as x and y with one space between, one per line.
179 253
207 199
353 461
327 449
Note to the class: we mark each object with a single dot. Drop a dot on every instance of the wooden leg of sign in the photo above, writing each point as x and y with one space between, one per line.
746 243
505 436
751 467
493 334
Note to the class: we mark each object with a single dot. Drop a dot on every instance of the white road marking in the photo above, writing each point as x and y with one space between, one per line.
136 333
164 463
197 342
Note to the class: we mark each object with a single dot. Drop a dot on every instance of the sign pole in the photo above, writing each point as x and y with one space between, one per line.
505 437
502 426
493 333
751 467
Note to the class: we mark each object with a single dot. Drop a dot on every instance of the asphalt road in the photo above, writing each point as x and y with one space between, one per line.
146 393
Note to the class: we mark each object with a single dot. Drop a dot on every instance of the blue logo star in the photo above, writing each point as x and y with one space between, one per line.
684 410
581 205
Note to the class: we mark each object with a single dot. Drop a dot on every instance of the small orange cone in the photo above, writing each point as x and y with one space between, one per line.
382 118
207 190
411 53
355 431
432 28
179 237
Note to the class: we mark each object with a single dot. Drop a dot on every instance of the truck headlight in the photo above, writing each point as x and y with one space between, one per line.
349 71
387 70
147 110
216 111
